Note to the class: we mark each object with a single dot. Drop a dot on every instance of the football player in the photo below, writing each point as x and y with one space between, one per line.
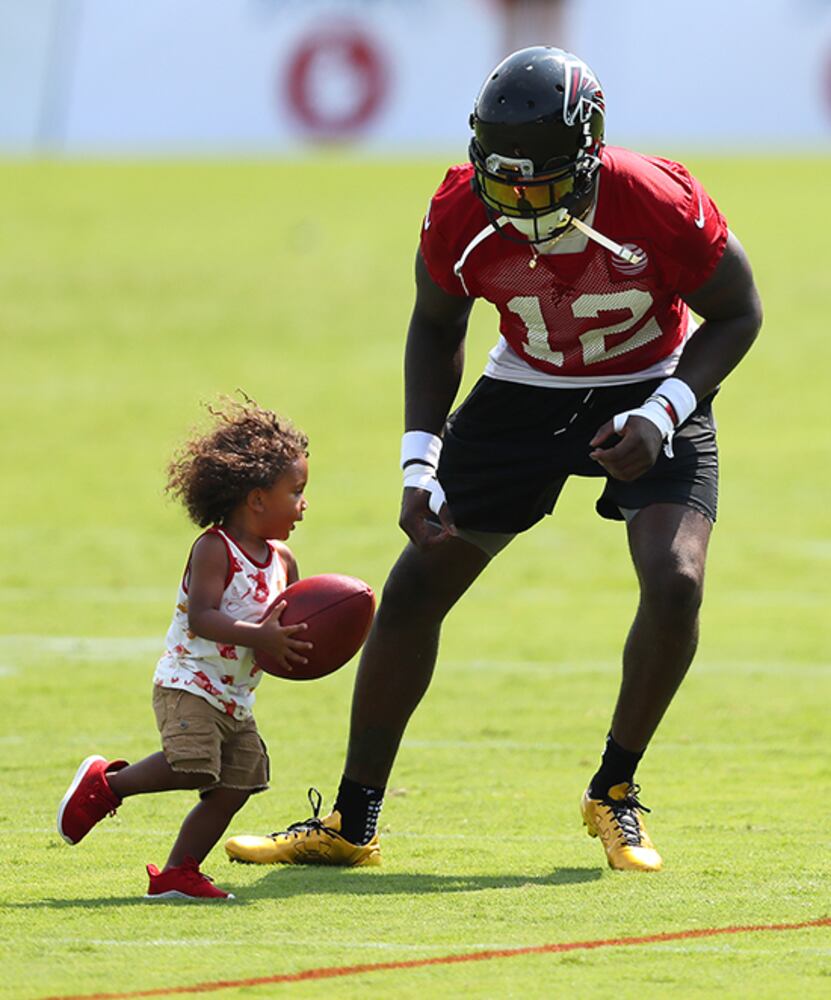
595 258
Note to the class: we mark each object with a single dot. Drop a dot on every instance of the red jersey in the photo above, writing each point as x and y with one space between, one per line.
579 314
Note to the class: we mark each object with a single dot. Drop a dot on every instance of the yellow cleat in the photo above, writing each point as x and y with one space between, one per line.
616 820
313 841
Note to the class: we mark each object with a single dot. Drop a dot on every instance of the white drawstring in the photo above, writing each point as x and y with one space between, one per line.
491 227
619 251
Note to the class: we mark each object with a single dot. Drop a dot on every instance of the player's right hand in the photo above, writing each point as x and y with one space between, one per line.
636 448
419 522
278 640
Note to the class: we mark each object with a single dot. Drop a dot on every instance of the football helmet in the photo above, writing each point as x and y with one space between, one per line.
538 127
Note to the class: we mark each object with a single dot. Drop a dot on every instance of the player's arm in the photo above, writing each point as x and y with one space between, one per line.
433 364
731 310
206 585
730 306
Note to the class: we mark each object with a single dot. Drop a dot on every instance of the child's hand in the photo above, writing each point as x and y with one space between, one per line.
278 640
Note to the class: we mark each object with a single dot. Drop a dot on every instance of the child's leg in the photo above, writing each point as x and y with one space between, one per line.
205 824
154 774
244 770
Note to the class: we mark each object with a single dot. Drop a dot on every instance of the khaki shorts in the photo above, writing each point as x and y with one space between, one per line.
198 738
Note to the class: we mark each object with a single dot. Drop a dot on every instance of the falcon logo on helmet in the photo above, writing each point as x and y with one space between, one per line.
582 95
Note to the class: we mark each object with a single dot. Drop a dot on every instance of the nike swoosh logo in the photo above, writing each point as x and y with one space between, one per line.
427 216
700 220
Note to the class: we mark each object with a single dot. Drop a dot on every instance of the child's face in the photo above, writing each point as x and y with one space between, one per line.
283 503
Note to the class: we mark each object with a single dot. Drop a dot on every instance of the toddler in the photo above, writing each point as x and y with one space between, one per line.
244 482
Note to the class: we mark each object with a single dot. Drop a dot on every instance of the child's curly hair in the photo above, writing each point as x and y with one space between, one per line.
249 447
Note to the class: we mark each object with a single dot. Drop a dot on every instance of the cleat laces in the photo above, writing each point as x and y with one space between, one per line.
625 812
305 826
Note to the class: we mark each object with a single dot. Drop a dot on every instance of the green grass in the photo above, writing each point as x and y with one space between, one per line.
128 294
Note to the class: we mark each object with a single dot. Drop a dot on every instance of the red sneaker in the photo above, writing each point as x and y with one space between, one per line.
183 882
88 799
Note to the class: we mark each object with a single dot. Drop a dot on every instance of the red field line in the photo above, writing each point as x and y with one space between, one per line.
335 972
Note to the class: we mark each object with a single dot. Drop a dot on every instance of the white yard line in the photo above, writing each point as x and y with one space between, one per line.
39 648
746 948
272 941
76 647
525 747
98 595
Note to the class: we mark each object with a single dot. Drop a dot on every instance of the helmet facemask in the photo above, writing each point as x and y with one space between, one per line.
538 204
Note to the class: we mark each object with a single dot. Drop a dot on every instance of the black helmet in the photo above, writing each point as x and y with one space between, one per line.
538 130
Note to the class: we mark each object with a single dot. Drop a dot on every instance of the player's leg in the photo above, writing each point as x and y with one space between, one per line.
669 513
669 549
668 543
394 672
398 658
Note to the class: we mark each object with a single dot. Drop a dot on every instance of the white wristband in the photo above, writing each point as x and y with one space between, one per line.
656 413
420 446
421 477
680 397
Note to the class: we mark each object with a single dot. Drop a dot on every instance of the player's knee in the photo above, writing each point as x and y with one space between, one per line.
408 599
674 591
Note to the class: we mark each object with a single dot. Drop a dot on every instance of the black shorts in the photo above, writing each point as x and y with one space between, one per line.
509 448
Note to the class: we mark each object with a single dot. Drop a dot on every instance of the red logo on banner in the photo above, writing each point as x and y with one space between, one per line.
336 81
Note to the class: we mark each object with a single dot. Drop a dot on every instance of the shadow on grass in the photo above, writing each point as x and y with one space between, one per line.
283 883
290 881
96 902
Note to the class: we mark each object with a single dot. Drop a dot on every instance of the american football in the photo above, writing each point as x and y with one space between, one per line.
338 610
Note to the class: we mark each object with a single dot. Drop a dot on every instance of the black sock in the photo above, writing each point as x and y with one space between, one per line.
616 766
359 807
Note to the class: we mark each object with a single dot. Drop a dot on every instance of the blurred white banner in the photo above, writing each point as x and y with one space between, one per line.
266 76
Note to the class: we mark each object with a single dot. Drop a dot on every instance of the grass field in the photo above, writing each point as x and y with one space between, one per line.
128 294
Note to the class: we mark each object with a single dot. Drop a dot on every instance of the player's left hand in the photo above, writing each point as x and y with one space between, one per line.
417 519
636 450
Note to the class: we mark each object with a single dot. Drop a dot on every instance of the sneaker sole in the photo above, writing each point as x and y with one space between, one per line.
79 774
374 860
174 894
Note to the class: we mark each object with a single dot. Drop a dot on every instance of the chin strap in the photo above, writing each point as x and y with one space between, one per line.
604 241
495 224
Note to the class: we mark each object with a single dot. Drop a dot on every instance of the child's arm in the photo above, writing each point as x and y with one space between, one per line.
285 553
208 573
